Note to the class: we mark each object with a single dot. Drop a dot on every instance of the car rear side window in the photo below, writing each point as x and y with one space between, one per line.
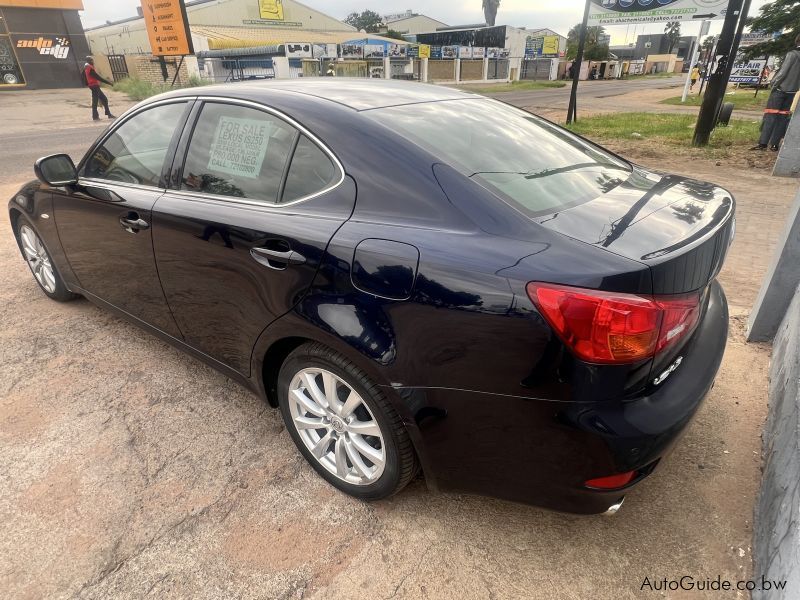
311 171
238 151
532 164
135 152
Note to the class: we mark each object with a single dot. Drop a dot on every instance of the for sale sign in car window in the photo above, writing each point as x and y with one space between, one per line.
239 146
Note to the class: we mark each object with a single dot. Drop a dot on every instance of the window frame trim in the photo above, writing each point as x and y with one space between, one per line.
300 129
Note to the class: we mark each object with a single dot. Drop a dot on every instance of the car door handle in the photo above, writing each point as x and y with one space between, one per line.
277 259
133 224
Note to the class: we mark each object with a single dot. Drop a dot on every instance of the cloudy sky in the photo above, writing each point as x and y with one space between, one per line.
559 16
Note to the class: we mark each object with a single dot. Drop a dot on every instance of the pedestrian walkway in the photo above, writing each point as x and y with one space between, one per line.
42 110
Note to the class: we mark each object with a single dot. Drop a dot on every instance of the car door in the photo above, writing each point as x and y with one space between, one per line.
257 198
104 222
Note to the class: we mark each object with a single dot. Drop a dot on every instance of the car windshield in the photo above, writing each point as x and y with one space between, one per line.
535 165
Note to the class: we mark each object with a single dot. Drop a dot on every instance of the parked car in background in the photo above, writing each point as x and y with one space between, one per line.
419 278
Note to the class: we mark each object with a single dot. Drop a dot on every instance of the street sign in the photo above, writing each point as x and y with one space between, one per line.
624 12
167 27
748 72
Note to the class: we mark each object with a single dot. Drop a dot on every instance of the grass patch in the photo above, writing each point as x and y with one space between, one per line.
519 86
742 99
668 129
137 89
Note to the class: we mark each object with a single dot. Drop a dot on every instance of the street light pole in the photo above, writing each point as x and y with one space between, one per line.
572 110
715 92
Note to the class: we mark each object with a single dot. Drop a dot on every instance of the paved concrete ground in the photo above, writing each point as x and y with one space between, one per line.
128 469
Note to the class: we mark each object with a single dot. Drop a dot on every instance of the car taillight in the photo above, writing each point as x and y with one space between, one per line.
614 328
611 482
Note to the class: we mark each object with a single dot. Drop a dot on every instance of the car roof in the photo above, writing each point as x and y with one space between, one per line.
358 94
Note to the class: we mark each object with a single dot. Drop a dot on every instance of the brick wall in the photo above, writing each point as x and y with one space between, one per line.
147 68
471 70
441 70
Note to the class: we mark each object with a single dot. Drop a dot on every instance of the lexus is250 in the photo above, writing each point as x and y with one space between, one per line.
421 280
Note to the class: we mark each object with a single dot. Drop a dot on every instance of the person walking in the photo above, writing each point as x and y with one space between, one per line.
93 80
331 70
785 84
694 76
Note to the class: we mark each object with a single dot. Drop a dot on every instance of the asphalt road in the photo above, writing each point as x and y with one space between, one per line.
18 151
587 90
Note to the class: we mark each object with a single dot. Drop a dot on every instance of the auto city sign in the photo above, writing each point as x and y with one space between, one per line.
55 47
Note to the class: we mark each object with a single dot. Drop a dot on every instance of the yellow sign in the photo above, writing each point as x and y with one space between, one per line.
424 51
271 10
167 27
550 45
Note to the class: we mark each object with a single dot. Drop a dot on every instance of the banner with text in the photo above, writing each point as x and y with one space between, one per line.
624 12
167 27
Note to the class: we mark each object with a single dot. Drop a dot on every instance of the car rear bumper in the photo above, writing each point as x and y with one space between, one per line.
541 451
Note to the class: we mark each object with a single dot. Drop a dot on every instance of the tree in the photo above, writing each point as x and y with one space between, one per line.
596 43
706 47
368 21
395 35
780 15
673 31
490 11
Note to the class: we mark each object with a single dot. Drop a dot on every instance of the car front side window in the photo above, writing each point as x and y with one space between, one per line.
135 152
238 151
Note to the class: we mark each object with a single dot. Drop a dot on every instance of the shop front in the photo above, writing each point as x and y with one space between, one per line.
42 44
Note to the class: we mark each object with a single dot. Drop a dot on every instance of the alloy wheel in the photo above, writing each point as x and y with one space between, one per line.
337 426
37 258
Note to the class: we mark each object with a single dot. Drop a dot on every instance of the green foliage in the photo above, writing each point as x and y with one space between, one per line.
368 20
780 15
137 89
743 99
595 48
673 31
666 129
395 35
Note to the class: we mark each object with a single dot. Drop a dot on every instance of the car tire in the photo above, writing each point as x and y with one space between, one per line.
366 466
40 263
725 114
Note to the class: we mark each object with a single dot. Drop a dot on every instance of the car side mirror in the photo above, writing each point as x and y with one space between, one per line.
57 170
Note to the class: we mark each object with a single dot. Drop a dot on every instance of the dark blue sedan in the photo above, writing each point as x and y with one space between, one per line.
422 280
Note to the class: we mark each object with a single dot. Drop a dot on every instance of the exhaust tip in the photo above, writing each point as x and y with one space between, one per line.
612 510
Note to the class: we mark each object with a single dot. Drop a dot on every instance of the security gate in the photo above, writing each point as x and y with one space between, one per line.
119 68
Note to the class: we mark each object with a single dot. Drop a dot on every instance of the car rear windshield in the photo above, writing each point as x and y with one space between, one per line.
531 163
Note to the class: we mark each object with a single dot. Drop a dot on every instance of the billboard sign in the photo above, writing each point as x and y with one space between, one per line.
449 52
424 51
397 50
351 50
747 72
167 27
299 50
270 10
624 12
373 50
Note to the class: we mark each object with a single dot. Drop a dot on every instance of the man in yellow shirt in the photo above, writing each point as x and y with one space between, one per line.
695 75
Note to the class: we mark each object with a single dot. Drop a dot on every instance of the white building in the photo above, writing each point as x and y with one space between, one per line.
238 22
410 23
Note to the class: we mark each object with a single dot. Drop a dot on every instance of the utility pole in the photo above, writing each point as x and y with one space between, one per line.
694 55
715 92
572 110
